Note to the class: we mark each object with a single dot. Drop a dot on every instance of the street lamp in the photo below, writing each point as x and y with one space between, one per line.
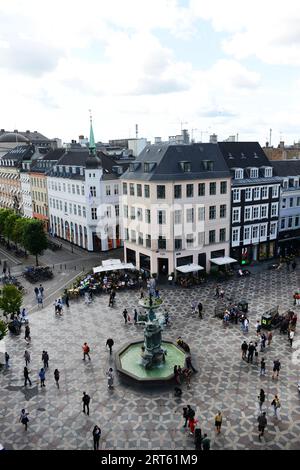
72 243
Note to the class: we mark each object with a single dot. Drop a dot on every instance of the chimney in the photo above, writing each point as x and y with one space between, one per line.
267 144
281 144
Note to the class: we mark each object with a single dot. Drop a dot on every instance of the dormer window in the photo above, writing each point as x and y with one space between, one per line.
253 172
185 166
149 166
208 165
268 172
74 170
239 174
133 166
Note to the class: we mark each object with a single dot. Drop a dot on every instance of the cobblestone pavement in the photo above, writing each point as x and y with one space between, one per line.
133 418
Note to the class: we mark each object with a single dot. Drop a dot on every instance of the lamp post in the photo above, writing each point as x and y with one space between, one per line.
72 243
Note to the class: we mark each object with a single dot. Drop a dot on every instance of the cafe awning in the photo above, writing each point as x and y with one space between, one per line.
189 268
223 260
113 267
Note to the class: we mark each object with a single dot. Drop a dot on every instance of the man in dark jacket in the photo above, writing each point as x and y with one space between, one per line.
110 343
251 350
205 443
200 309
86 402
262 423
244 349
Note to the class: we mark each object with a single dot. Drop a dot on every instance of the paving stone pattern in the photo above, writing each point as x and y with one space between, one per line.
141 418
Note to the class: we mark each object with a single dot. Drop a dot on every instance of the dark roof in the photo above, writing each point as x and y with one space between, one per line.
168 158
286 167
19 153
243 154
75 157
54 155
13 137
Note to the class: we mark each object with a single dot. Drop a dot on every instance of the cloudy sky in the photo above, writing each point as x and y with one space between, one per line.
212 66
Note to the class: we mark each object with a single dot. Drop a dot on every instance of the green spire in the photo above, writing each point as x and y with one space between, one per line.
92 145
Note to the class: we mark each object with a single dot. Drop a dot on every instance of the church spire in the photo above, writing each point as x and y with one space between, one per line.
92 145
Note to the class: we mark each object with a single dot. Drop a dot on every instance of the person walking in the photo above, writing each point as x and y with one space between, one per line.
246 325
194 305
185 414
67 300
263 340
27 357
276 368
40 300
110 378
198 439
218 422
41 290
42 376
86 403
262 367
125 315
270 337
262 423
251 350
244 349
45 359
86 351
135 317
24 418
26 377
291 337
6 357
56 377
276 406
200 310
27 334
36 291
189 365
110 343
96 437
205 443
258 327
192 424
261 398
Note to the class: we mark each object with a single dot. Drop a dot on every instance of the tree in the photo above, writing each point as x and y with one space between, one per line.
18 230
3 329
10 300
9 225
34 238
4 213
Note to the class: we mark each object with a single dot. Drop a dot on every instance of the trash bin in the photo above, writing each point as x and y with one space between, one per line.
243 306
266 321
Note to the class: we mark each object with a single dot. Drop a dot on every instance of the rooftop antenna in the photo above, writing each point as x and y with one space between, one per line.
237 137
270 140
137 131
181 124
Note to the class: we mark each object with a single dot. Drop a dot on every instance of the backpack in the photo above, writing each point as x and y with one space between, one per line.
87 349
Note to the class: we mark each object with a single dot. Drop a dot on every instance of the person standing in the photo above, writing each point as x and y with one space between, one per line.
36 291
244 349
26 377
217 292
45 359
262 423
135 318
27 334
246 325
42 376
6 356
125 315
276 368
185 414
110 378
251 350
56 377
86 351
205 443
258 327
270 337
110 343
261 398
96 437
27 357
41 290
40 300
67 300
86 403
189 365
276 405
24 418
218 422
200 310
198 439
291 337
262 367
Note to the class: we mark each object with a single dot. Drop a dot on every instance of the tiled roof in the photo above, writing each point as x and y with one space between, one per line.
286 167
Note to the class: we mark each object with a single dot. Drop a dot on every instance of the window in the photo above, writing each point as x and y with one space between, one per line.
255 231
282 223
190 215
297 221
108 212
69 188
263 231
268 172
75 209
82 190
291 201
298 201
212 236
117 210
126 234
264 211
161 191
124 188
201 189
177 217
222 235
148 241
208 165
131 189
79 211
274 210
94 213
189 190
236 195
66 208
139 214
147 190
185 166
107 190
162 243
273 229
148 216
93 191
212 189
247 213
246 233
256 193
70 208
60 205
139 190
223 187
248 194
73 188
83 211
133 236
290 222
140 239
125 211
177 191
255 212
212 212
239 174
201 236
132 213
77 189
264 192
189 240
253 172
283 205
236 235
236 214
201 213
223 211
161 217
178 244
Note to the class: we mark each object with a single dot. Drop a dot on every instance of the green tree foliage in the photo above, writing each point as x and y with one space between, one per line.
18 230
4 214
34 238
3 329
10 300
9 225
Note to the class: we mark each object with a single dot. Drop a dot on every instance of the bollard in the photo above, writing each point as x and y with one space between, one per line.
60 267
65 266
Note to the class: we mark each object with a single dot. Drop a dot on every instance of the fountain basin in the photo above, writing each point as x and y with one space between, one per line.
128 363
